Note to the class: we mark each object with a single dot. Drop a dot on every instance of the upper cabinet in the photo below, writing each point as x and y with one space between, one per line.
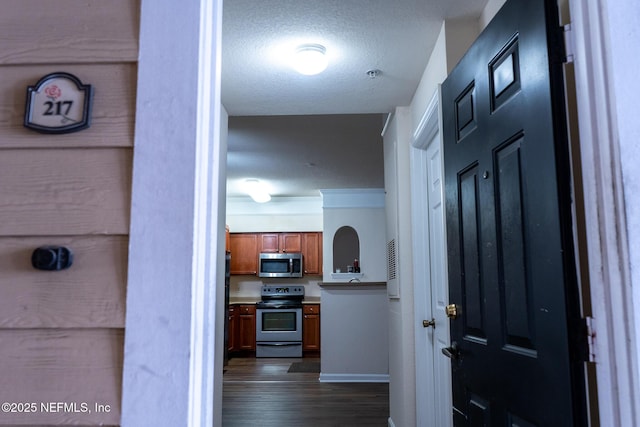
245 248
312 253
244 253
281 242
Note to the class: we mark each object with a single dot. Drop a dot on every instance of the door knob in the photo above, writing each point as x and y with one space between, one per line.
452 352
452 311
427 323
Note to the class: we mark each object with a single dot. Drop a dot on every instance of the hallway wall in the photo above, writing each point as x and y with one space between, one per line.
61 333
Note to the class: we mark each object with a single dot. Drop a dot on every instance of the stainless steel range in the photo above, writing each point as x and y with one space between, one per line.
279 321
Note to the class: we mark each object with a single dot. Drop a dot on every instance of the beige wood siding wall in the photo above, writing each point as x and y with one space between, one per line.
61 333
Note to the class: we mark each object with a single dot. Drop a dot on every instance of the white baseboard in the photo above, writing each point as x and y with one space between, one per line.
390 423
354 378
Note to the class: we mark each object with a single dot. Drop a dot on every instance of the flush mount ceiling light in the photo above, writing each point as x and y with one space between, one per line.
310 59
257 191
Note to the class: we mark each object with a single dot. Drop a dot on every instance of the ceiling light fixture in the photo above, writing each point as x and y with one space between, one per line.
310 59
257 191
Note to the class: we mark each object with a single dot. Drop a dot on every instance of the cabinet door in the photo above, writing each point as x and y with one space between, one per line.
311 327
269 242
244 253
290 242
280 242
312 253
247 327
233 329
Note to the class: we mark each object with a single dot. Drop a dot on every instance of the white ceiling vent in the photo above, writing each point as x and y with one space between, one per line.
391 259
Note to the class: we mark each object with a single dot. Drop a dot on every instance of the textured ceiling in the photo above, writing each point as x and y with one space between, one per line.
394 36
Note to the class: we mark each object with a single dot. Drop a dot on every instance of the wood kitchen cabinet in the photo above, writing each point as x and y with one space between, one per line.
244 253
232 330
280 242
246 247
312 253
310 244
311 327
246 319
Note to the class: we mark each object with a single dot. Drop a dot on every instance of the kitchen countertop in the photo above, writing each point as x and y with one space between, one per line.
351 284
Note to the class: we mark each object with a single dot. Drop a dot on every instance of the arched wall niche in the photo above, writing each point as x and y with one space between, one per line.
346 248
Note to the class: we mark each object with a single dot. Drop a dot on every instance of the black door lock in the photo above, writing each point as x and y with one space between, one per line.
52 258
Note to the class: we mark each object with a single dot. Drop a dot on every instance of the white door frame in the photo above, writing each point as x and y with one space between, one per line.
172 354
612 296
163 326
429 391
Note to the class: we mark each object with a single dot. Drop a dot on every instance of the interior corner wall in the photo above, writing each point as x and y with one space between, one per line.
490 11
453 41
434 73
460 35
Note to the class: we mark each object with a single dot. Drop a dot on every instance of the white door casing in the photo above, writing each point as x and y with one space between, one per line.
433 370
172 374
597 41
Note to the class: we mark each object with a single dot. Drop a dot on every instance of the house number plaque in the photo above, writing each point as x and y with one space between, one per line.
58 103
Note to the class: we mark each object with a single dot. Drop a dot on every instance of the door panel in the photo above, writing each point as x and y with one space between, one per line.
509 242
515 288
472 286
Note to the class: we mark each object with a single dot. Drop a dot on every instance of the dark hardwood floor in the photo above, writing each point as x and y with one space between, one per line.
260 392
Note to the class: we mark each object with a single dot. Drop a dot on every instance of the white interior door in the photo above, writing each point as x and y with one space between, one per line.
439 284
433 371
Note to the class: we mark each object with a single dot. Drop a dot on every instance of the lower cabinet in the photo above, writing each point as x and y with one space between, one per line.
232 332
311 328
242 328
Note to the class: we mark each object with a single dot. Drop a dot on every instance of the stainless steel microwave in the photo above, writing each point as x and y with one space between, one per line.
280 265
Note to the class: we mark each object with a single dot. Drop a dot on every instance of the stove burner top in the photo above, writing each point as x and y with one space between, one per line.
279 304
281 296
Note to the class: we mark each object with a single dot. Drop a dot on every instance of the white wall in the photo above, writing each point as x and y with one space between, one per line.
401 325
362 209
434 74
280 214
354 334
354 321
